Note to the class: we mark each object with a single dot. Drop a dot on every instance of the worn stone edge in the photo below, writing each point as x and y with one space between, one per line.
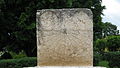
86 10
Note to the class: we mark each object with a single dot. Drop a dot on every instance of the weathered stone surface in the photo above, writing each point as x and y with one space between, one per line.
65 37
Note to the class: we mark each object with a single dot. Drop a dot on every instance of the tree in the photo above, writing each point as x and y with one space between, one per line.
109 29
17 27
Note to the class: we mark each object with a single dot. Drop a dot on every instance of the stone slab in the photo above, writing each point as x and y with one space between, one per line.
65 67
64 37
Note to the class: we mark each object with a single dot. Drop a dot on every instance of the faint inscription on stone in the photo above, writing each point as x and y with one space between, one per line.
65 37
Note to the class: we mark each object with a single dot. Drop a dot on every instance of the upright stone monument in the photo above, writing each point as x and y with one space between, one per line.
65 37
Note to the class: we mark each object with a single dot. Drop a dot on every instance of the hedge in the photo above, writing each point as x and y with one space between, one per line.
110 43
104 64
113 58
113 43
18 63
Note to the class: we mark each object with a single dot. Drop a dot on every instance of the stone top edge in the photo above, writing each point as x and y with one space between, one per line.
86 10
65 9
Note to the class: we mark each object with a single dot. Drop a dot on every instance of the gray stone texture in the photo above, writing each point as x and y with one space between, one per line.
65 37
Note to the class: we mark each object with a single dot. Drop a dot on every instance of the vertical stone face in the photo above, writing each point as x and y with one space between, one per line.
65 37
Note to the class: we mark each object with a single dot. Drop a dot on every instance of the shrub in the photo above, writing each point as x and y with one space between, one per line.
18 63
113 58
108 49
100 44
104 64
97 58
18 55
113 43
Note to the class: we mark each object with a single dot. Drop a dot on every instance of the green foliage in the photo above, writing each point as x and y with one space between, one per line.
17 27
109 29
18 63
19 55
21 22
100 44
112 43
113 58
104 64
97 58
105 29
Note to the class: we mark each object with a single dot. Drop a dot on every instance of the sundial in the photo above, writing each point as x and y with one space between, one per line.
64 37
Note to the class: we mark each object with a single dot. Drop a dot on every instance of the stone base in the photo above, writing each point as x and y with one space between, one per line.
64 67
